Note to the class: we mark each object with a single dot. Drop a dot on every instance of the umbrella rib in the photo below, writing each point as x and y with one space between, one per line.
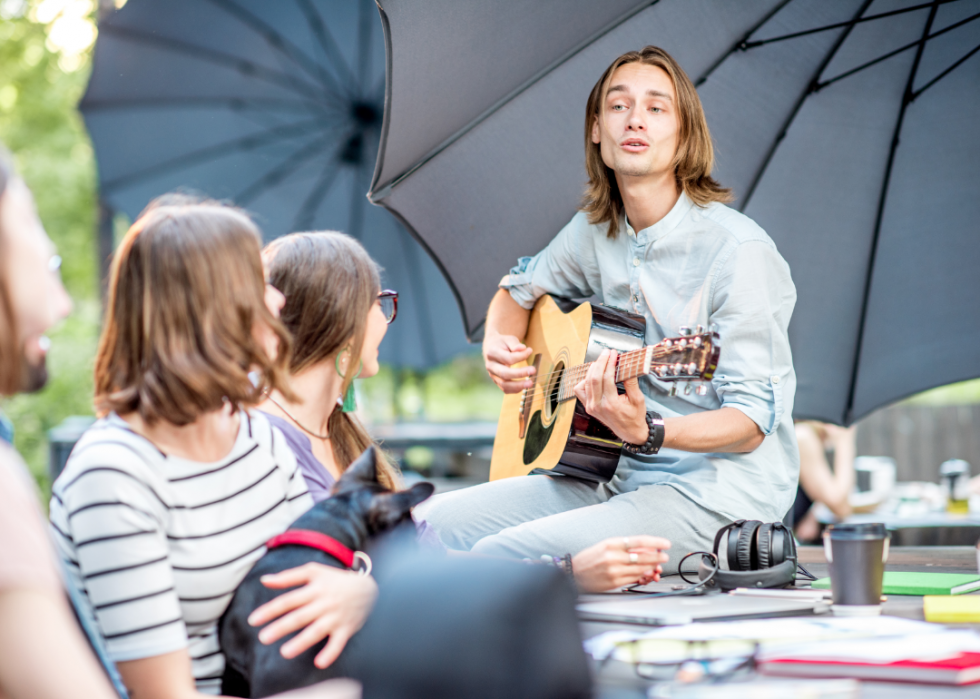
244 143
762 42
915 95
307 214
363 43
906 100
379 192
740 44
243 66
258 104
281 171
278 42
326 41
897 51
810 89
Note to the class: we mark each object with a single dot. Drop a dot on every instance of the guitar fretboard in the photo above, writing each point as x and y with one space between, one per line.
629 365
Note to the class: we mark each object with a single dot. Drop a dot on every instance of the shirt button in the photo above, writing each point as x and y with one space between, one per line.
775 379
636 261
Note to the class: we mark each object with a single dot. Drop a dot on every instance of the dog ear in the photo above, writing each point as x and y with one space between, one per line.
389 509
362 471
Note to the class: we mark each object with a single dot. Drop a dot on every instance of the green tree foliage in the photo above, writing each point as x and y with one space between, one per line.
39 89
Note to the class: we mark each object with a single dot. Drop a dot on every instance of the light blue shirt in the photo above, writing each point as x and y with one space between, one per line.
696 266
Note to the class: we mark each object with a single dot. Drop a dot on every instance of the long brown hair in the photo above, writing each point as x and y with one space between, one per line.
692 162
186 291
10 351
330 284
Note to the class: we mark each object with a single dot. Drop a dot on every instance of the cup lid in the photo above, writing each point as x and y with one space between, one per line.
857 532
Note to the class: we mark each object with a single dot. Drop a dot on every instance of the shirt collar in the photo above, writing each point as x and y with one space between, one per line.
666 224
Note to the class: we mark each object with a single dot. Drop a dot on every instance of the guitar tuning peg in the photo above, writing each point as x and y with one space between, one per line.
699 330
673 390
687 389
713 328
684 330
702 390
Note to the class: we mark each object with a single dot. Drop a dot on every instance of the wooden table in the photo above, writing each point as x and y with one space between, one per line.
618 680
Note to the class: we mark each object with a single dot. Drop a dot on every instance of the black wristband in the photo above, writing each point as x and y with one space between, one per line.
655 439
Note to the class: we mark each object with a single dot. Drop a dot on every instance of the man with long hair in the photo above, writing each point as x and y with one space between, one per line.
653 236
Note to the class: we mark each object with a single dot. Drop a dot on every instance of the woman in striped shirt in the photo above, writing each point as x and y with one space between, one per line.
166 503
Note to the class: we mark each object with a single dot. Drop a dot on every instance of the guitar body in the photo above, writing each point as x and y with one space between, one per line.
536 431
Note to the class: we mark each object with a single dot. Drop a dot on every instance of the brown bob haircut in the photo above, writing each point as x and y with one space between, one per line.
330 284
692 162
10 350
186 290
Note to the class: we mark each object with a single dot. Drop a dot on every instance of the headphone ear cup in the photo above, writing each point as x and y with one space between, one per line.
763 545
783 546
744 547
734 534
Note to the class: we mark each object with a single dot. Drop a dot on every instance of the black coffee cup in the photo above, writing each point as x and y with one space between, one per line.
856 554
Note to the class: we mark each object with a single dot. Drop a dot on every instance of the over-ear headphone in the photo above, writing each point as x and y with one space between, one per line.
759 555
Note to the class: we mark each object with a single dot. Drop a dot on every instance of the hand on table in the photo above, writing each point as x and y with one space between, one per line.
620 561
500 353
330 602
623 414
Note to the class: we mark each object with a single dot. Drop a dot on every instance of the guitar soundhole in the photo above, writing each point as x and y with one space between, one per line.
554 383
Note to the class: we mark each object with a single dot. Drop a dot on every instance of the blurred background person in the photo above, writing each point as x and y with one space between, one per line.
37 629
823 444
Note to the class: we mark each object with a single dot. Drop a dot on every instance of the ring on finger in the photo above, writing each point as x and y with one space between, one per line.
633 557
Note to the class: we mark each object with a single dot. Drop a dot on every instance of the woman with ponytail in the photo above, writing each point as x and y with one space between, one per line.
337 315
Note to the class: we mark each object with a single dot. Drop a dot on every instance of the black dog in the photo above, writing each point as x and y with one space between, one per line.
358 512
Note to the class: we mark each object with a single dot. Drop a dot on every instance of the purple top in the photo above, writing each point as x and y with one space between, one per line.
320 482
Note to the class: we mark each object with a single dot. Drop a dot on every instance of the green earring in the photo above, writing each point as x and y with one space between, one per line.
350 400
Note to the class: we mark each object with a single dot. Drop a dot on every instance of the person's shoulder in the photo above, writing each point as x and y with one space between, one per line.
111 444
735 225
580 227
281 429
15 479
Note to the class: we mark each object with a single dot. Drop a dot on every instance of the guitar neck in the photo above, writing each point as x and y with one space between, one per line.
629 365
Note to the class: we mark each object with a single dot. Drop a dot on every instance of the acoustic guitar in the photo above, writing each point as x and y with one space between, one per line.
544 428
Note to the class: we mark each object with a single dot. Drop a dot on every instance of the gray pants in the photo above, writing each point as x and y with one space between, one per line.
528 516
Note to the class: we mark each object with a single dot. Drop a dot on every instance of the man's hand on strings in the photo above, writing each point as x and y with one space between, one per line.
500 353
623 414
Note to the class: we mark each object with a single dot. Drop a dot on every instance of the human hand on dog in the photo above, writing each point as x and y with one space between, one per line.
330 602
631 560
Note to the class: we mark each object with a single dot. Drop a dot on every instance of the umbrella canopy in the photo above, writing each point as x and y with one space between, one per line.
848 130
276 107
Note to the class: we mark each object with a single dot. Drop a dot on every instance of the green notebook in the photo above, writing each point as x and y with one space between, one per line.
921 583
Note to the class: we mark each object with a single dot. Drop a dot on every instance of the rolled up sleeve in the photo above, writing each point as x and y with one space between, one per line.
752 302
560 269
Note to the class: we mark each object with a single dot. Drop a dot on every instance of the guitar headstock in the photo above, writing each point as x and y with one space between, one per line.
691 357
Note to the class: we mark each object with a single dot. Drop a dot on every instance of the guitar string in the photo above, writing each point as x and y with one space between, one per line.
562 386
629 366
634 360
629 361
632 354
657 353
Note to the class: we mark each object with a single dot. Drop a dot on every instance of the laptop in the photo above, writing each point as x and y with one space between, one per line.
670 611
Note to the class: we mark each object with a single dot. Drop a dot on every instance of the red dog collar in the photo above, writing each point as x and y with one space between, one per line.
322 542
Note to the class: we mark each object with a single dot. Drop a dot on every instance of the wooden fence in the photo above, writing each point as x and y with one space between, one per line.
920 438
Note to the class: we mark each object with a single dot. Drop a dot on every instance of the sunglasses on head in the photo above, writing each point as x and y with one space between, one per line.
389 304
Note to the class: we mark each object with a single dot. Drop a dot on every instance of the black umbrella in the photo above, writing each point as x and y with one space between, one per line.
275 106
848 130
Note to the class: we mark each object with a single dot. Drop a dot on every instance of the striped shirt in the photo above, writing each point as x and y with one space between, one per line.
159 543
